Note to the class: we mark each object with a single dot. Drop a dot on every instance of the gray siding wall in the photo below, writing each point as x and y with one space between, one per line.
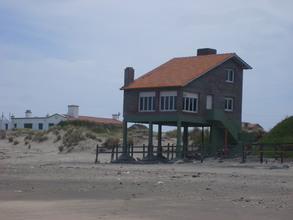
214 83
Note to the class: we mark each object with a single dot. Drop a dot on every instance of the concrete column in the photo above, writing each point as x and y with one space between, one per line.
178 146
151 146
124 137
160 150
217 139
185 140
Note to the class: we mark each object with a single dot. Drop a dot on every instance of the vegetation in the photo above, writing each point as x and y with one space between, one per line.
171 134
2 134
111 142
195 136
281 133
98 128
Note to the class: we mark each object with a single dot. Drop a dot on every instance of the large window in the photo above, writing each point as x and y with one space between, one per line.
28 125
190 102
229 102
230 75
168 101
147 101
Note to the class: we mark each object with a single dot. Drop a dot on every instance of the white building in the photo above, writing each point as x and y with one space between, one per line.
44 123
5 124
37 123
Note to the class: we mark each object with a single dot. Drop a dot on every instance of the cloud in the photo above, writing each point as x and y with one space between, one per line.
55 53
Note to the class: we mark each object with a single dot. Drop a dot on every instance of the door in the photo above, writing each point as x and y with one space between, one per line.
209 103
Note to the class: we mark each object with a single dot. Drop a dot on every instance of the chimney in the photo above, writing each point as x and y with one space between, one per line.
206 51
115 116
128 76
28 113
73 111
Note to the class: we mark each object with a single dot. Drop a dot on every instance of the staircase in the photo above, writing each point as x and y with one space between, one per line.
219 116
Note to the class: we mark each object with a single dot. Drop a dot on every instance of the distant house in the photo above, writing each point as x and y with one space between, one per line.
73 115
37 123
196 91
44 123
248 127
4 123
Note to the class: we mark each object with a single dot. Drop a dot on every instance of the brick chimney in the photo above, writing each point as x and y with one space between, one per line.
128 76
206 51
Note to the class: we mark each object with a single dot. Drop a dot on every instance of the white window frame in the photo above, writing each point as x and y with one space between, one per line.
168 101
190 102
230 75
229 104
146 102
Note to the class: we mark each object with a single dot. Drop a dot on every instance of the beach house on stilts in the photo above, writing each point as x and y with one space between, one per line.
186 92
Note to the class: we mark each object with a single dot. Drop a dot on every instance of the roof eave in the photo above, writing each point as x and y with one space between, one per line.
151 87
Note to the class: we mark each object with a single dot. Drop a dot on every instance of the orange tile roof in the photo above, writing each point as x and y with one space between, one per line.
98 120
180 71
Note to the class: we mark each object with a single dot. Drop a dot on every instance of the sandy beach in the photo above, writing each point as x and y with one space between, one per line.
41 183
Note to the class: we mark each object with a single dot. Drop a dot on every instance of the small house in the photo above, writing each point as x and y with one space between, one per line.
196 91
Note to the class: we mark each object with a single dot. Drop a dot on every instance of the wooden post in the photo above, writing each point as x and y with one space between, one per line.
112 153
261 154
243 154
202 135
143 150
168 151
117 152
97 153
173 151
201 153
282 156
226 142
132 151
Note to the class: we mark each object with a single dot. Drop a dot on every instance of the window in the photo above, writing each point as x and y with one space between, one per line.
146 101
40 126
28 125
209 102
168 101
190 102
230 75
51 124
229 102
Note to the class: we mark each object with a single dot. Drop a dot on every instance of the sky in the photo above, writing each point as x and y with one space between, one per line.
55 53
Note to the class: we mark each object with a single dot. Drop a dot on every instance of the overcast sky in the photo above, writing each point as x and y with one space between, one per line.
54 53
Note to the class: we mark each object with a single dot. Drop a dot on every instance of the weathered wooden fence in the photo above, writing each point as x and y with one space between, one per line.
166 153
279 150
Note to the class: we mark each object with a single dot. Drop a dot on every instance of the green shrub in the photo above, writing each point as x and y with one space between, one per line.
40 136
73 136
61 148
171 134
2 134
10 139
16 142
281 133
111 142
93 126
58 138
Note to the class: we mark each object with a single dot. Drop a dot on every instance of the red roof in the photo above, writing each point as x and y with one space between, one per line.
98 120
180 71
